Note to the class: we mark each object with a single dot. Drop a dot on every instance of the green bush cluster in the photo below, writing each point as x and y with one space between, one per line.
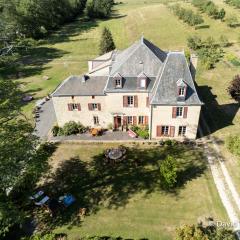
208 50
168 173
69 128
99 8
141 131
187 15
233 144
209 8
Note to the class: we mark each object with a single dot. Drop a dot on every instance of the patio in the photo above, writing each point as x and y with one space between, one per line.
106 136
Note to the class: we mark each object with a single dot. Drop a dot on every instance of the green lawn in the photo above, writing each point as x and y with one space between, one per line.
126 199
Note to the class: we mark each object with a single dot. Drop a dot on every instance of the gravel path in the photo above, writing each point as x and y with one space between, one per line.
223 181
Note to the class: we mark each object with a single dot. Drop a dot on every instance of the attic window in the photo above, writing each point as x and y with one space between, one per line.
142 80
143 83
181 91
118 80
118 83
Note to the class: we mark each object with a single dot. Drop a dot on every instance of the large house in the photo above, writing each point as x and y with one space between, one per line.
141 85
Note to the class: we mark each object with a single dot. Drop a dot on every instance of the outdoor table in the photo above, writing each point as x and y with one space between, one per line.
115 154
43 201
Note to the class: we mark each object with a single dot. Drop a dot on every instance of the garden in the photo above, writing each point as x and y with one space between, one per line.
149 193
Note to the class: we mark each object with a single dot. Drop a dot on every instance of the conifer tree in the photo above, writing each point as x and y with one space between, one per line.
106 44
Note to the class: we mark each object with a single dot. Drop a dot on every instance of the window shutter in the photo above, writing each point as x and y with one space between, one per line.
134 120
135 101
185 112
146 120
90 107
147 102
172 131
125 101
79 107
124 120
174 112
159 131
70 108
99 106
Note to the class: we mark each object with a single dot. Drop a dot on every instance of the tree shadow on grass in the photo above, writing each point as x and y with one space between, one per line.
71 30
96 185
217 116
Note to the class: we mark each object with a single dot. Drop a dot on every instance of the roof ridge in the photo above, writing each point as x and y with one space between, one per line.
160 77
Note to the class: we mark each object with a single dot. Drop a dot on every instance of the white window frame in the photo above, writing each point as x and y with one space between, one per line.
141 120
182 131
181 91
74 106
94 106
143 83
165 130
130 120
118 83
130 101
96 120
179 112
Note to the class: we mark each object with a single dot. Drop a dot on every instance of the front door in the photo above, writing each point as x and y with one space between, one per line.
117 122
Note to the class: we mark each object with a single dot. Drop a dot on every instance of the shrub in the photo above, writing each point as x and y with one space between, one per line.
194 42
233 59
141 131
69 129
55 130
187 15
208 51
234 88
209 8
168 173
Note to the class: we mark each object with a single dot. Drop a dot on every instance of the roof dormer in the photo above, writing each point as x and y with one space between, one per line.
117 80
142 80
181 89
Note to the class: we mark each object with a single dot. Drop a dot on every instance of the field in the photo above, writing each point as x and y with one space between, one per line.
126 200
66 53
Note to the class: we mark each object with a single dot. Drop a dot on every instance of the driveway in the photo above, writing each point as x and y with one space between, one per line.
46 120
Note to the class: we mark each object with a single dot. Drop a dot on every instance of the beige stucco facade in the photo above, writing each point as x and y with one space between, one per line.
112 105
162 116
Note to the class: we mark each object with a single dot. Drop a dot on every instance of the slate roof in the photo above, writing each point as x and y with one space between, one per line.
129 84
163 71
74 86
142 56
165 92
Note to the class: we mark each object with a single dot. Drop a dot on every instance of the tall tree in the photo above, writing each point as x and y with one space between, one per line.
106 44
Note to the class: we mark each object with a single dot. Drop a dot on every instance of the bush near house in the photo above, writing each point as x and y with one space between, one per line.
69 128
187 15
141 131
